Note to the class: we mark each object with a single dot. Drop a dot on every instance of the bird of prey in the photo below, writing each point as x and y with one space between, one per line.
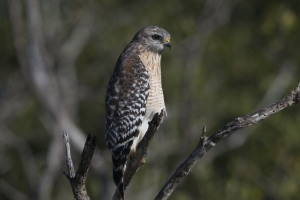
134 95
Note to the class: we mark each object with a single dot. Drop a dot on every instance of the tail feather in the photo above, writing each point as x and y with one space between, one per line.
119 159
121 188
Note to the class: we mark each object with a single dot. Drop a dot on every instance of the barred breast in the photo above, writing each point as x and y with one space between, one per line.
155 100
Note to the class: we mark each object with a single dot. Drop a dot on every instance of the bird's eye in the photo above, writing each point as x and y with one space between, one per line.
155 37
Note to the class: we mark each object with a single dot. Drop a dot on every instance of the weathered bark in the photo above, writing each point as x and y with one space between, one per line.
78 180
205 145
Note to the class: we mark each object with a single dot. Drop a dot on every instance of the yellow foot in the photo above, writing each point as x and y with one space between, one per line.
143 161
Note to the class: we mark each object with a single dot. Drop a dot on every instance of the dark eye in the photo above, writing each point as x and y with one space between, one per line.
155 37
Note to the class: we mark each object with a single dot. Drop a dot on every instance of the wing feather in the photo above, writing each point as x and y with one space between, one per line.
125 102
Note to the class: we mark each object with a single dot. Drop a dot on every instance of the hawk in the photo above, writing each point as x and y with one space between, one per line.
134 95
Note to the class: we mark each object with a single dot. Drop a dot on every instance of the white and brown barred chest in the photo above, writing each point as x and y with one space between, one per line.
155 100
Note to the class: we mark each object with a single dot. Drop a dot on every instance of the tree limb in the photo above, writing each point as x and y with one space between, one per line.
238 123
276 90
78 180
134 163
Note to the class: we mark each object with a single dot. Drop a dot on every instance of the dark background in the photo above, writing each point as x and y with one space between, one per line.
229 58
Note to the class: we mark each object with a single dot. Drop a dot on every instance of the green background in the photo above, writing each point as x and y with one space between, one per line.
229 58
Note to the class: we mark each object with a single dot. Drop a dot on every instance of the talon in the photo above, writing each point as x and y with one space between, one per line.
143 161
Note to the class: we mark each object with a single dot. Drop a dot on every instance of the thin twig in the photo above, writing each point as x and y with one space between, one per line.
203 138
71 171
238 123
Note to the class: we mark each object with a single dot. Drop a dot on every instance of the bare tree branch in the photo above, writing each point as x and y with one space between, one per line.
275 91
78 180
71 171
238 123
134 163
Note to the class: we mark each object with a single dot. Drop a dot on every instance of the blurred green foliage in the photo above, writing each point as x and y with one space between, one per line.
208 79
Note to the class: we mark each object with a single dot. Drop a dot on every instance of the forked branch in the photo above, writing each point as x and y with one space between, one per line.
78 180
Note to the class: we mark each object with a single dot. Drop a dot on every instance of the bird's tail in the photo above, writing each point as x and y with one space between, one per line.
121 188
119 180
119 158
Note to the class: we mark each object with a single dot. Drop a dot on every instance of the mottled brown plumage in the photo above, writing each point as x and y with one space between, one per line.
134 94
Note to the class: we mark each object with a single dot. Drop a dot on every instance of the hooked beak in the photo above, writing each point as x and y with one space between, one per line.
168 43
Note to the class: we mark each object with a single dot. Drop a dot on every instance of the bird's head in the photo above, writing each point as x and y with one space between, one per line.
153 38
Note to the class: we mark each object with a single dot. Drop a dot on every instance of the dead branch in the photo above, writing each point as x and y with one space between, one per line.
78 180
275 91
240 122
134 164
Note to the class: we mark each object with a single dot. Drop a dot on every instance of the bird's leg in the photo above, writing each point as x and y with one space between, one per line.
132 154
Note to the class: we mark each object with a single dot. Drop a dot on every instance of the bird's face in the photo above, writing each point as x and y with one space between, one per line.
154 38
